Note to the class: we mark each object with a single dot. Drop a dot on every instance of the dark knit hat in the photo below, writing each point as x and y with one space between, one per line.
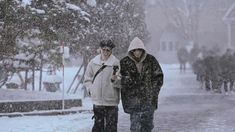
107 43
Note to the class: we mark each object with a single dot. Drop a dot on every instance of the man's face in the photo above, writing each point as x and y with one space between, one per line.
106 51
137 52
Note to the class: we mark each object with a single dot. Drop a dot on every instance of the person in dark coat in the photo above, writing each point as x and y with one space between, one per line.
193 54
182 55
141 81
227 64
212 72
232 74
199 69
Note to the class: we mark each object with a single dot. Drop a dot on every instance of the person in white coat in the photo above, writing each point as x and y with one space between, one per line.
101 79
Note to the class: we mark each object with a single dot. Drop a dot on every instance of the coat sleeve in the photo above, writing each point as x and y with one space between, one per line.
117 82
126 83
88 76
157 76
157 81
126 79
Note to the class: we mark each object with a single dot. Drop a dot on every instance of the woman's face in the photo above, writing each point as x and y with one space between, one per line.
137 53
106 52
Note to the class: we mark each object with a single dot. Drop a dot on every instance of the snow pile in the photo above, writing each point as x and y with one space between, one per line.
26 2
52 79
91 3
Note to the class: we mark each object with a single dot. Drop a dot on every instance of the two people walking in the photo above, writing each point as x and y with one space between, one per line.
138 79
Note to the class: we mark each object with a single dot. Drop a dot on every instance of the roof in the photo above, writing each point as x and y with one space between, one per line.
230 14
172 33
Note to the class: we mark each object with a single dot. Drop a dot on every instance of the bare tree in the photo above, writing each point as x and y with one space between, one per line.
183 14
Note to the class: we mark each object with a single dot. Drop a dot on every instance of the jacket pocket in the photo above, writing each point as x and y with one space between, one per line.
93 91
109 93
130 104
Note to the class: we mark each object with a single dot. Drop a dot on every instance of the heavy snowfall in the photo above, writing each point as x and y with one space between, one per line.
45 46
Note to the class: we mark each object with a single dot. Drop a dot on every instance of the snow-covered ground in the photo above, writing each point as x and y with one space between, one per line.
61 123
29 94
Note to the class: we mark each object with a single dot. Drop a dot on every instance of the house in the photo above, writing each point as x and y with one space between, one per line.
211 30
170 41
229 19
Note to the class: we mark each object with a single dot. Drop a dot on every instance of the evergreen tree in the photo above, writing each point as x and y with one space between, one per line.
73 23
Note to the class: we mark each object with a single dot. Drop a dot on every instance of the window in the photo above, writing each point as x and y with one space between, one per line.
163 46
171 46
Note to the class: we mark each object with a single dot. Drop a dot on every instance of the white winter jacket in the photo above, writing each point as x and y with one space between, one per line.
103 91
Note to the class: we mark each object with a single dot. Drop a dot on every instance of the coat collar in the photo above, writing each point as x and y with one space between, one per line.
109 62
130 55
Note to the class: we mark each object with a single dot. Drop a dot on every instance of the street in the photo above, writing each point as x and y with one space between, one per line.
184 107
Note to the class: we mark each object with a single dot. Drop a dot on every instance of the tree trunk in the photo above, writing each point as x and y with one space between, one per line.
41 66
33 77
26 79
